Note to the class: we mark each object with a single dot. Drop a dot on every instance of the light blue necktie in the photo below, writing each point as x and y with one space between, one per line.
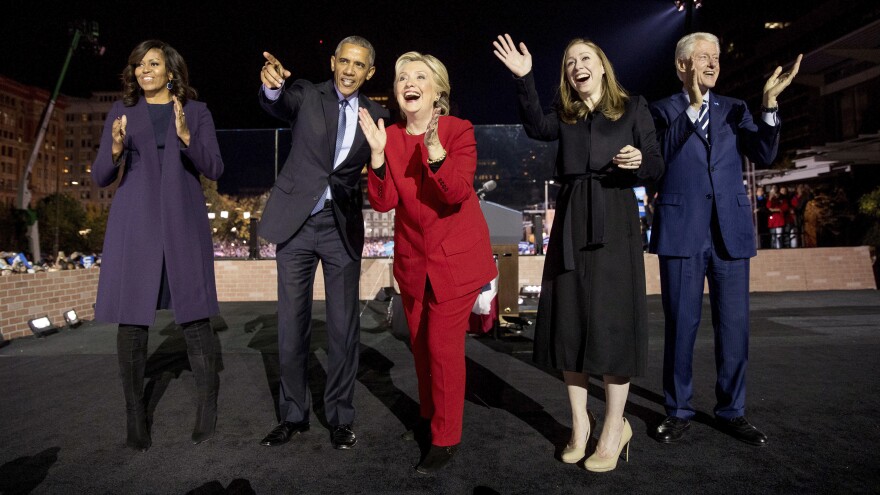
340 136
340 131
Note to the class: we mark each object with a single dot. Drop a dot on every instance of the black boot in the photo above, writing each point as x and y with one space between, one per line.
131 349
203 360
436 458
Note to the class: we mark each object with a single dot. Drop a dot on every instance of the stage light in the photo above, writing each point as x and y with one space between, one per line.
224 214
211 215
42 326
72 319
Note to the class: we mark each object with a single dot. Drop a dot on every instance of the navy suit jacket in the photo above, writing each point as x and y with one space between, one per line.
313 113
701 173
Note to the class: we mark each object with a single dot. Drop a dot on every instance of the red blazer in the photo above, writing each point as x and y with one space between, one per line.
439 230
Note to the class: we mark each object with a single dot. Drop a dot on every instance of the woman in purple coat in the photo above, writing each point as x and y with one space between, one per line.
157 250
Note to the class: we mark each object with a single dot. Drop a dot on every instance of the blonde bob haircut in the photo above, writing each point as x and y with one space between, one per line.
613 101
439 74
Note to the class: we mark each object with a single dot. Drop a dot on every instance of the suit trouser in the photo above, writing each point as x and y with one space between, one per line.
297 260
681 281
437 333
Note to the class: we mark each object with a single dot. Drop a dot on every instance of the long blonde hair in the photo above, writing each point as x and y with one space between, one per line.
439 74
612 104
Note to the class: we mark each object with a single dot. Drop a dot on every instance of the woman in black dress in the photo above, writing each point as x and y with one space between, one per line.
592 311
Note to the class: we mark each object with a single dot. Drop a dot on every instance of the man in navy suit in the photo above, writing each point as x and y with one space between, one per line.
314 213
703 229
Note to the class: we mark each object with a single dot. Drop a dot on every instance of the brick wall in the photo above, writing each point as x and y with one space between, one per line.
25 296
773 270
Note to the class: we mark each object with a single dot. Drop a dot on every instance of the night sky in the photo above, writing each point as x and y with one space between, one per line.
223 41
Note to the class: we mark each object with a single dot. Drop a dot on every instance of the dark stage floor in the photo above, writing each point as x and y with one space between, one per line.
813 388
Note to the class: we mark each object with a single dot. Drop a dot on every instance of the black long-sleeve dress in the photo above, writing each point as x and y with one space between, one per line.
592 314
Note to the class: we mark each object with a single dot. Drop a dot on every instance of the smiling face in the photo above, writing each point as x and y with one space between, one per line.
414 89
351 68
584 71
705 59
152 74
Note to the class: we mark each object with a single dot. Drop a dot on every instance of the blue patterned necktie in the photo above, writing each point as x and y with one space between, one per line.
703 120
340 131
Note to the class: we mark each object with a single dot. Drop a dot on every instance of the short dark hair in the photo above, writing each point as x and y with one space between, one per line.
359 41
174 63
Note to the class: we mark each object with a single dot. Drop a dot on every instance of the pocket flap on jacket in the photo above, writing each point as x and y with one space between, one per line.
668 199
743 200
284 183
461 242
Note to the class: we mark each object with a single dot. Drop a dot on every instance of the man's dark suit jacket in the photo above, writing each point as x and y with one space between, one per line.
701 177
313 113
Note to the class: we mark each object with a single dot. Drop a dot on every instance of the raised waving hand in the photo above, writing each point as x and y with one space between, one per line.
519 61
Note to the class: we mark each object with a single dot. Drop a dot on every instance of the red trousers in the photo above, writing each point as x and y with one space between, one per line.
437 333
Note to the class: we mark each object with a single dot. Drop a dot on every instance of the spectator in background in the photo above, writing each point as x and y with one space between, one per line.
802 196
789 230
777 209
761 214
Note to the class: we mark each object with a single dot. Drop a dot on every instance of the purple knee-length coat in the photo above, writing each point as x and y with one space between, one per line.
158 213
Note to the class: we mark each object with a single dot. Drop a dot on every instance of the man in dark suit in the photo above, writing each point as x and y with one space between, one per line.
314 214
703 229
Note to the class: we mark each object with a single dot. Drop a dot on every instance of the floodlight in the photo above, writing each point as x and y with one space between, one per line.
72 319
42 326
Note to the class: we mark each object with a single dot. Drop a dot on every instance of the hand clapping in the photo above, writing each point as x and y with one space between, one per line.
376 137
779 81
118 134
180 122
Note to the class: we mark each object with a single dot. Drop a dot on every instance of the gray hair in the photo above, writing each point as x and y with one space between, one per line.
362 42
685 47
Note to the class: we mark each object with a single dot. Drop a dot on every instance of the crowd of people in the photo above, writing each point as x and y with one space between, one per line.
17 262
373 248
794 216
780 212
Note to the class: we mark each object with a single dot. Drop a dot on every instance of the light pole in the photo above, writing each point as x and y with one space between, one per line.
547 184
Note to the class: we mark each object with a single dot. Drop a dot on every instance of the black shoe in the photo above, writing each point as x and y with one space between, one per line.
671 429
281 434
437 458
740 429
342 437
420 431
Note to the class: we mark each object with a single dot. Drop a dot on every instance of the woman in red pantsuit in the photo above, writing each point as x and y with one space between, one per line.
424 168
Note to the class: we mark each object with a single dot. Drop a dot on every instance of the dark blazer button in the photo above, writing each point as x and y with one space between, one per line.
708 196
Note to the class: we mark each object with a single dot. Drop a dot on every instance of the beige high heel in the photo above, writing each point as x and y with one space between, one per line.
598 464
573 455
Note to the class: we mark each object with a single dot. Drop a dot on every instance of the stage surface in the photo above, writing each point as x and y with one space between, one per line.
812 388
